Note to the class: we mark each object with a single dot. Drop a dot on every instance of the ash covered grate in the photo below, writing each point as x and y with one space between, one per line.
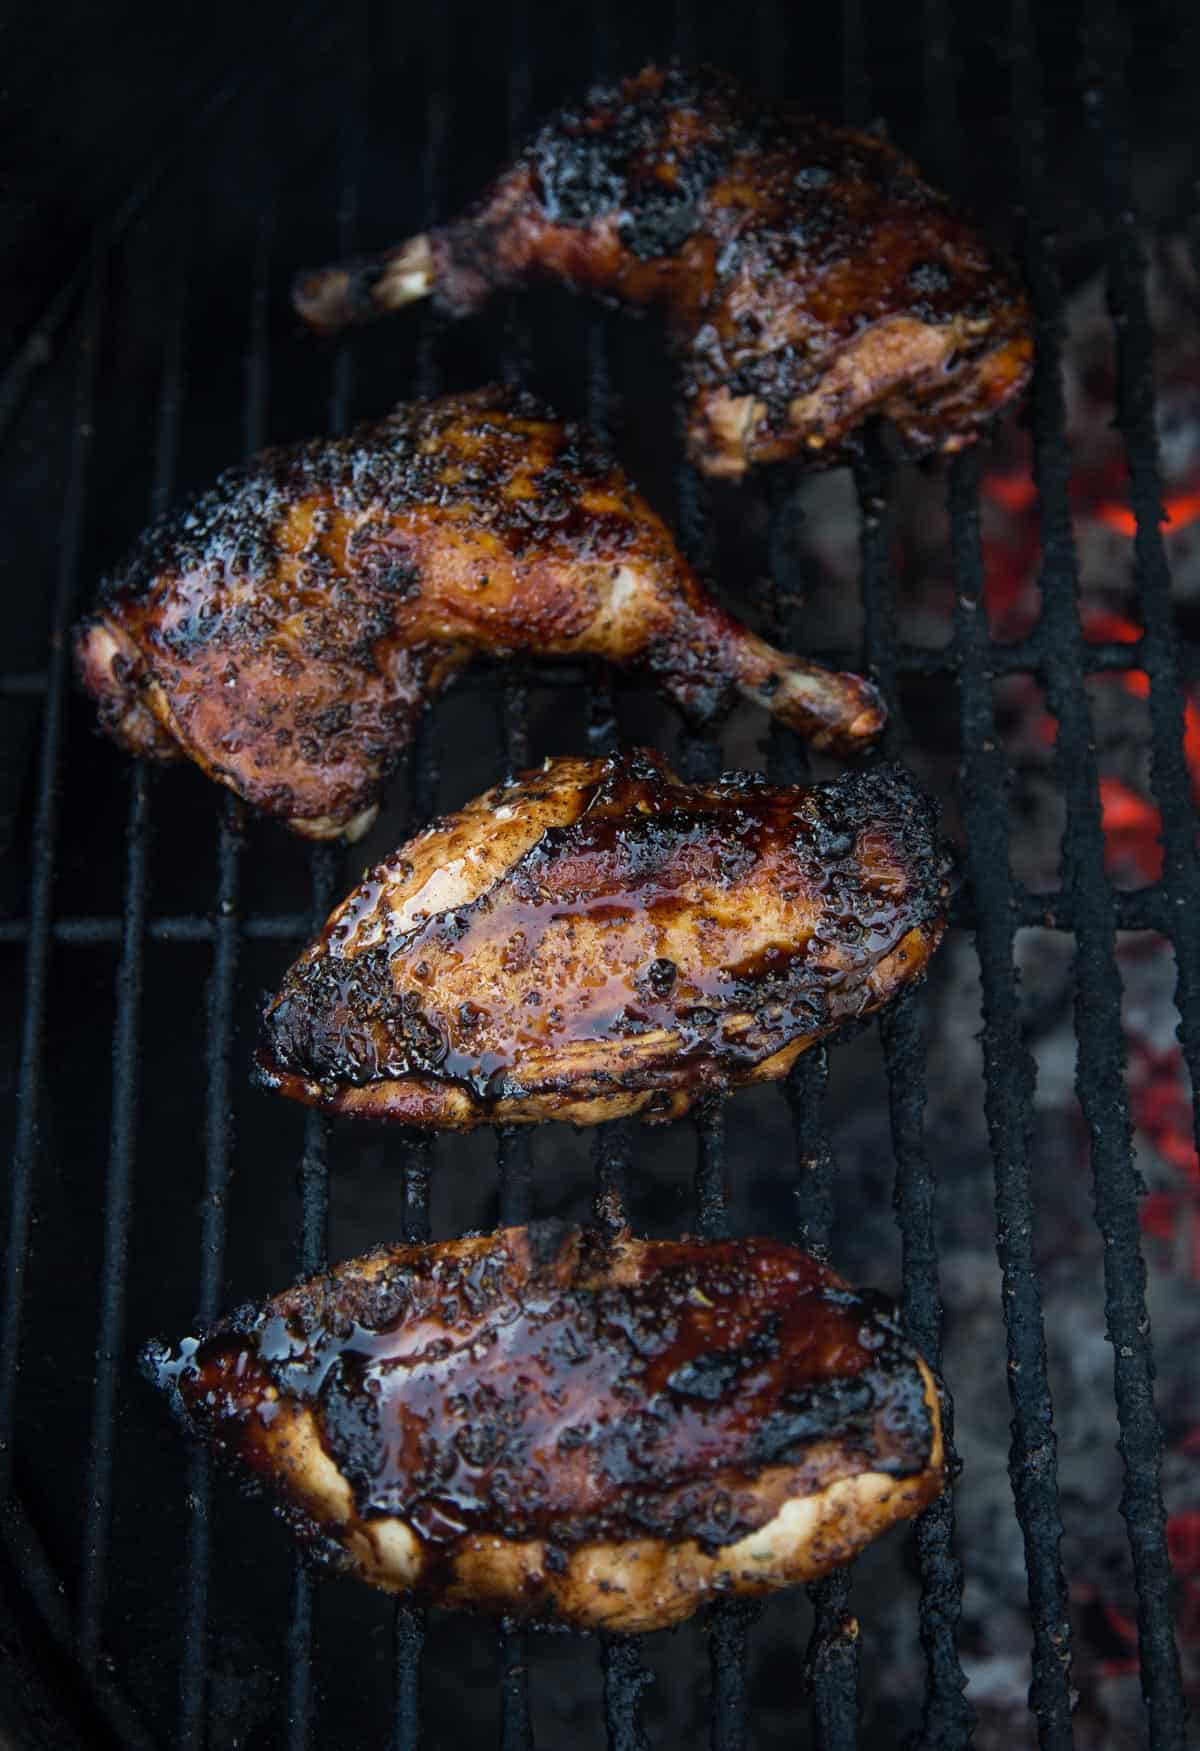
151 1188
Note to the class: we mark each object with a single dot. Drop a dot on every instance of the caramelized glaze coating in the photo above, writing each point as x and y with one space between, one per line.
285 631
809 277
598 938
544 1423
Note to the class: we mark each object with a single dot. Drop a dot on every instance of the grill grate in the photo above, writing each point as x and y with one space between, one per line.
994 907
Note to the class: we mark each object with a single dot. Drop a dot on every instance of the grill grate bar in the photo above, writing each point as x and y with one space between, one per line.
408 1629
939 77
516 1728
125 1058
947 1718
1025 656
1009 1081
1009 1072
624 1671
312 1251
408 1646
625 1678
514 1167
415 1150
416 1157
833 1679
222 994
831 1659
1115 1177
117 1209
857 96
218 1150
514 1159
324 867
1138 909
700 759
41 891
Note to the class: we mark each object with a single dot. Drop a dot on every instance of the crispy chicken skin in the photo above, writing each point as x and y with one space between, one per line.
285 631
547 1423
809 277
598 939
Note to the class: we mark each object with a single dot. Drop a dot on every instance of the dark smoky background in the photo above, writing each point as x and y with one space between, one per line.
202 155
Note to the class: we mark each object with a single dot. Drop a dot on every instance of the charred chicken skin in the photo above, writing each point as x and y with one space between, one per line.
285 631
544 1423
598 939
809 277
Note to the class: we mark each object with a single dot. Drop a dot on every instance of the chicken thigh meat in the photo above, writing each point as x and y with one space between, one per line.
810 278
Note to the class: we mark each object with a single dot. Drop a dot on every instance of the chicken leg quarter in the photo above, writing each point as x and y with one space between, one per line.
809 277
285 631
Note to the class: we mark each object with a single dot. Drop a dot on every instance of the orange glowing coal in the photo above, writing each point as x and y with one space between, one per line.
1178 511
1131 830
1159 1085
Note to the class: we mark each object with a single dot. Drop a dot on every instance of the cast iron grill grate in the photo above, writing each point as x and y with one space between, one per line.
76 1611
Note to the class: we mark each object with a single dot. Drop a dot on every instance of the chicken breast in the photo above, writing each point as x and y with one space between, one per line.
598 939
544 1423
809 277
285 632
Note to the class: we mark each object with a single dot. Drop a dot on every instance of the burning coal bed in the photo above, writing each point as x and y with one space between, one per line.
995 1631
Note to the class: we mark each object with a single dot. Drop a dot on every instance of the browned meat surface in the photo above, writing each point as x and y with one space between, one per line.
284 632
598 939
809 276
544 1423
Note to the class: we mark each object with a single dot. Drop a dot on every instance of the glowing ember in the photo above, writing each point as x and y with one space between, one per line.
1132 825
1104 628
1131 831
1178 511
1183 1546
1162 1114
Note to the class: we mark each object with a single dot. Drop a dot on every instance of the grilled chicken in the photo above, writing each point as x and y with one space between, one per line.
544 1423
809 276
285 631
598 938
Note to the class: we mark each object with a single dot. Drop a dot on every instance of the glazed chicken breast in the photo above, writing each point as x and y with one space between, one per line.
598 938
544 1423
809 277
285 632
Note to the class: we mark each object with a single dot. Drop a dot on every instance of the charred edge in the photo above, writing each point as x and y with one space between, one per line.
334 1313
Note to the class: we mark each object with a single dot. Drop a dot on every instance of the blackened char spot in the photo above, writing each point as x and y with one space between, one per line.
929 276
350 1418
661 223
707 1376
594 1409
608 158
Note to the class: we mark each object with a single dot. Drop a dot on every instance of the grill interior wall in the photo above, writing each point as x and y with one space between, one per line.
150 1185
